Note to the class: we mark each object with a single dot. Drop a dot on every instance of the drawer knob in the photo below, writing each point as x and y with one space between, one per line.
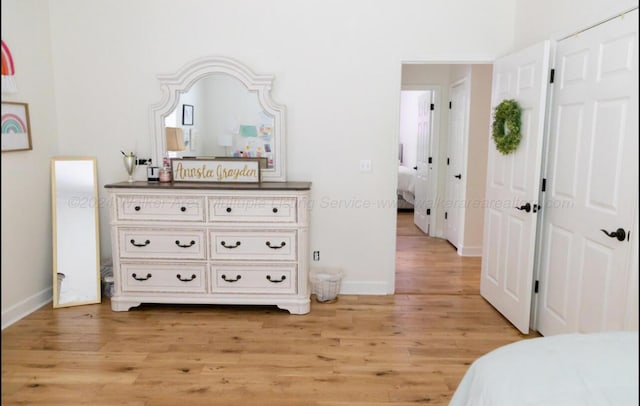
144 244
191 244
141 279
275 210
275 247
282 278
224 278
183 209
224 244
137 208
186 279
228 209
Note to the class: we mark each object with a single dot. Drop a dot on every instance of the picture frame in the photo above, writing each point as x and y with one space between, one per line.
16 128
187 114
216 170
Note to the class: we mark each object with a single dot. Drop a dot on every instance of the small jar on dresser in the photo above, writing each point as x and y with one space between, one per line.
210 244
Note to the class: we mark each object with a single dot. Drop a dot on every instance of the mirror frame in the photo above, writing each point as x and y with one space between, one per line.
172 85
54 224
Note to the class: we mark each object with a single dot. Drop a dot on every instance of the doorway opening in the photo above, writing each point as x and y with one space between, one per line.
439 140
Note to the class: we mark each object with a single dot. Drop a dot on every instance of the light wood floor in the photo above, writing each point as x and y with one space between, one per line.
409 348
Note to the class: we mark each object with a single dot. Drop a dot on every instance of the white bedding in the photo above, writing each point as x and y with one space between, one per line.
406 183
564 370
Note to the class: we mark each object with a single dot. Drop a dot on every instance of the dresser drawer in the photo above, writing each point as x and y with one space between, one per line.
252 209
165 244
254 278
254 244
160 208
163 277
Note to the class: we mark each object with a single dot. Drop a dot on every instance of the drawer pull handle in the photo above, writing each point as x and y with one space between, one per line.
224 244
186 280
183 209
224 278
141 279
140 245
282 244
228 209
191 244
137 208
275 210
276 281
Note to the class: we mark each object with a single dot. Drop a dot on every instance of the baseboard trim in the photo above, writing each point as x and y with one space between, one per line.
365 288
470 251
26 307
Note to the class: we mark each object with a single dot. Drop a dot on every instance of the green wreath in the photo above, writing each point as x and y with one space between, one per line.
506 126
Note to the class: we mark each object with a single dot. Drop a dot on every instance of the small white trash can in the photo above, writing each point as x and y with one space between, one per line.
325 283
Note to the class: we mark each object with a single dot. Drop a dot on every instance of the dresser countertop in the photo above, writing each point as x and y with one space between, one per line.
211 186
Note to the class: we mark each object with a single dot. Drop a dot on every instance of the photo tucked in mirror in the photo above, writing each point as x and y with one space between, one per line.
227 120
76 247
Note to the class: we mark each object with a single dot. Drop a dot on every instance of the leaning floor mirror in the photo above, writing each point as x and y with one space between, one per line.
76 245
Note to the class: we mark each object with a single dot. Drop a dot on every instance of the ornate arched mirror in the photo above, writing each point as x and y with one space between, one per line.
222 108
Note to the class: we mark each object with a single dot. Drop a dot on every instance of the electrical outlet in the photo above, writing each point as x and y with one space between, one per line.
365 165
316 255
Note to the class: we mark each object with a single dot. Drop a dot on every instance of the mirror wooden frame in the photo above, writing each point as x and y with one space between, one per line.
173 85
85 204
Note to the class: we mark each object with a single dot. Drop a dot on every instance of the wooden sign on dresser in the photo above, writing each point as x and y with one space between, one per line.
210 244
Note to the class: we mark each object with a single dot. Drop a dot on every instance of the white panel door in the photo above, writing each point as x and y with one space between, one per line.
458 119
513 184
423 200
592 181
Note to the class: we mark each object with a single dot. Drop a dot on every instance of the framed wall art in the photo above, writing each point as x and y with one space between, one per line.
187 114
16 130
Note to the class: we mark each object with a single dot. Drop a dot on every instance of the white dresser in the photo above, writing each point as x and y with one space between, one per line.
213 244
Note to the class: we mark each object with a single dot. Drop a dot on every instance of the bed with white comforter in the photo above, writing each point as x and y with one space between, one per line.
406 184
565 370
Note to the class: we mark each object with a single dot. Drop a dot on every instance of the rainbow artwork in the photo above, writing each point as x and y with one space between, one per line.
8 71
12 124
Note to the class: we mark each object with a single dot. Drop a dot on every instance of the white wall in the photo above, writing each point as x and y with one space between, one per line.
554 19
476 168
26 193
337 69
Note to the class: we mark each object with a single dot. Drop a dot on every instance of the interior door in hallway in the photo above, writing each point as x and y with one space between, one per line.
458 122
513 184
592 182
423 185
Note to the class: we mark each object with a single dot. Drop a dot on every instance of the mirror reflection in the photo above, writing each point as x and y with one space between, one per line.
76 258
219 116
217 106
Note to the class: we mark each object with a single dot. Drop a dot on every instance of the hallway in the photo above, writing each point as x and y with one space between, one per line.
428 265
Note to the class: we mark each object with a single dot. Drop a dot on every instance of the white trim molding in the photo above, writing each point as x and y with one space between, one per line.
26 307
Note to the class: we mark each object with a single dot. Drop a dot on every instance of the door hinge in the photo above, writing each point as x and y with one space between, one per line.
428 212
449 105
536 286
445 215
552 76
447 161
432 107
430 160
544 184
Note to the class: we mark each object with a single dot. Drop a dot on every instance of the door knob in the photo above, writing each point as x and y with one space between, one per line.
525 207
459 176
620 234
